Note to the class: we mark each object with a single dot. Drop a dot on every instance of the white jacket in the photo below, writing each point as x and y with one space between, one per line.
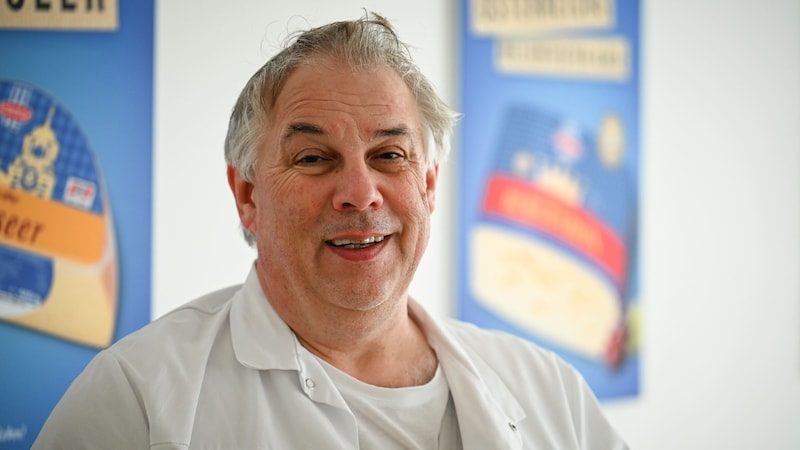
224 371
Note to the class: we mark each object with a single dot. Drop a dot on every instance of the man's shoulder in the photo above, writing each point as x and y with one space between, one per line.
208 304
499 349
186 327
475 336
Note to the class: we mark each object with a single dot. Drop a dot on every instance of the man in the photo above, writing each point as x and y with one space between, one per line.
332 150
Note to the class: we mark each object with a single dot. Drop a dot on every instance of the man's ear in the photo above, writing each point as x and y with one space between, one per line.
431 178
243 194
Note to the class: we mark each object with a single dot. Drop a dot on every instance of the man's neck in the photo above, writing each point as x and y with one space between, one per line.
380 345
398 357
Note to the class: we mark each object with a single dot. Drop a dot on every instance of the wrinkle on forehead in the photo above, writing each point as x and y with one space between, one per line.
313 69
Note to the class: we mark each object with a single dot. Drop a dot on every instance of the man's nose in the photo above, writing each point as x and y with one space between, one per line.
357 188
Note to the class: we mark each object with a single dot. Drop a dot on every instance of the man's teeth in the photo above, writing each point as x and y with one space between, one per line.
356 244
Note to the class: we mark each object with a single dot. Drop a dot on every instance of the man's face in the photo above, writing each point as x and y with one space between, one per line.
341 196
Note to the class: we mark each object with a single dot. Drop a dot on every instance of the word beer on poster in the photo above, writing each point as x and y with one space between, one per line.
76 84
549 179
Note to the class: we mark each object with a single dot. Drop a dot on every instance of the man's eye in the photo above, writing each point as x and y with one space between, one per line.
310 159
390 155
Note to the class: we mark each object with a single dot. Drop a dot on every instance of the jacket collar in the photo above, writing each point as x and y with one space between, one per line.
261 339
487 410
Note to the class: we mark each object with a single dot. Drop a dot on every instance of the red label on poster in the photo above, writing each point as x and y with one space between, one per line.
529 205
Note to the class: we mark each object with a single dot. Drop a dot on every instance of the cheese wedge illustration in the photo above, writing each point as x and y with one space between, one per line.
58 256
536 286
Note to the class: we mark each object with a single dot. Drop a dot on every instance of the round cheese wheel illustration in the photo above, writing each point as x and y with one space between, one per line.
58 257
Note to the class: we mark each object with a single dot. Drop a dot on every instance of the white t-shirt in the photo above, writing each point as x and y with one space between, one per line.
408 418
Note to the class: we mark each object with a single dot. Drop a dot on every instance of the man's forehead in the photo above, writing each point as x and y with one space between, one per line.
323 80
318 99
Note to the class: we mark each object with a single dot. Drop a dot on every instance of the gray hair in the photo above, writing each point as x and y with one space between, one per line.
363 43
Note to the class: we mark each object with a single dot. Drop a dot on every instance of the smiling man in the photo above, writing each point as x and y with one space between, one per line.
333 151
339 202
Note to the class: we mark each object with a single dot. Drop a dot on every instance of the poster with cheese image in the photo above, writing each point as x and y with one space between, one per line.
549 180
76 118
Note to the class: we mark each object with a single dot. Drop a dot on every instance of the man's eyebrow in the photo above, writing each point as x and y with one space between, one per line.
400 130
302 128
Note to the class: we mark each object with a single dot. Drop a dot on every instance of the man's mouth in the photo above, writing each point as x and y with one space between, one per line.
355 244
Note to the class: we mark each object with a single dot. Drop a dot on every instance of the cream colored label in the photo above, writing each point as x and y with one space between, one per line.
531 16
540 288
59 14
606 58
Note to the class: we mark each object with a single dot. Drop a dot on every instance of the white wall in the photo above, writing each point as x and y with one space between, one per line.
720 195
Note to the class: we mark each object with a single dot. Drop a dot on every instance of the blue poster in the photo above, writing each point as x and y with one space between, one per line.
76 108
549 180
